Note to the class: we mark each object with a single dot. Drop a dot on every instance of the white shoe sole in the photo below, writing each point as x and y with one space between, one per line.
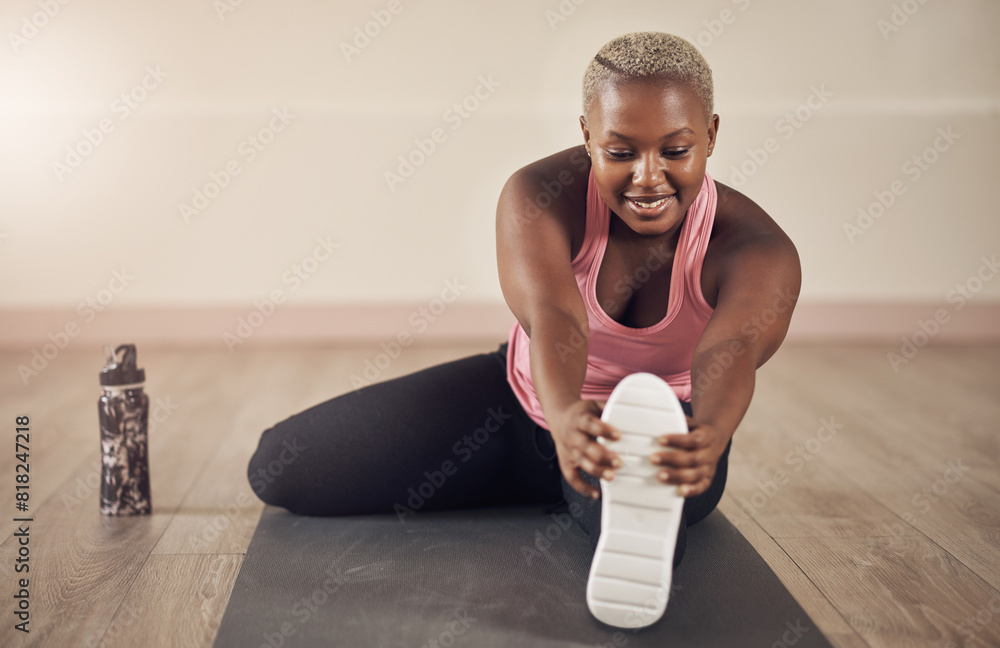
630 576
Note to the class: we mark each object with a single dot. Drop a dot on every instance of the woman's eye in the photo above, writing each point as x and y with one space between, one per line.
671 153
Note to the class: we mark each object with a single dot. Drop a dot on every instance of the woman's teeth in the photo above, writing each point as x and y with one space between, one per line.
650 205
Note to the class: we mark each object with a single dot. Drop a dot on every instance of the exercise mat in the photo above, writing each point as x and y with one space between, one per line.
504 577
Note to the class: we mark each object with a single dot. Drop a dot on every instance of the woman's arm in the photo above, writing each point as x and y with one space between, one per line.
759 280
534 261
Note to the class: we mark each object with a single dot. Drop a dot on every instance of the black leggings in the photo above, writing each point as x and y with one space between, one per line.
450 436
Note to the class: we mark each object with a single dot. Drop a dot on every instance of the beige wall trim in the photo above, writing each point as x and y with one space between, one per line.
436 322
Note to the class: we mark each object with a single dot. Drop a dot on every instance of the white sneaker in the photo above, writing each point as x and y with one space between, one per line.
630 577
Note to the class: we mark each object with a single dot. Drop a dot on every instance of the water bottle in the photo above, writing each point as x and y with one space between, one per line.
124 415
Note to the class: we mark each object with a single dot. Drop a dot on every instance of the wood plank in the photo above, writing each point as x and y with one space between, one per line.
81 564
219 513
918 580
177 601
62 405
950 378
965 421
913 469
826 617
86 562
899 592
789 495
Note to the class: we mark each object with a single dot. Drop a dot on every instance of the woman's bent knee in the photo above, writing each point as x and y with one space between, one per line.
270 469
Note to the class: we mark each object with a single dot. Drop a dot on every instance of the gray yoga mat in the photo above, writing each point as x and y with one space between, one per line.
513 577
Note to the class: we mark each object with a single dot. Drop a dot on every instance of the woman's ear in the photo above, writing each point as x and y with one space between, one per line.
713 132
586 133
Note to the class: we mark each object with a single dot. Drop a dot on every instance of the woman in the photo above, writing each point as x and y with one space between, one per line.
616 257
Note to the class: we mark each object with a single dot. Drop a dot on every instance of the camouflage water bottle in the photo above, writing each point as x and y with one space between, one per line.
124 415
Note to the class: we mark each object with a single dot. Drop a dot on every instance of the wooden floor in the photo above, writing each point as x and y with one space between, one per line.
873 494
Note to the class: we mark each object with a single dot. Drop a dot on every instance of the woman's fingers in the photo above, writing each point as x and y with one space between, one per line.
595 427
595 459
573 478
581 451
599 470
686 460
601 458
680 458
689 441
685 475
697 485
592 458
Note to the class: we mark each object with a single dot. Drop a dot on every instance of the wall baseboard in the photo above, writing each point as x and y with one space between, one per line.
235 328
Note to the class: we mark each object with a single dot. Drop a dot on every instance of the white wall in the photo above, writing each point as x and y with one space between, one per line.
323 176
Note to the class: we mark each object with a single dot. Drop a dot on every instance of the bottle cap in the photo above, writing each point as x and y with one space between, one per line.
121 369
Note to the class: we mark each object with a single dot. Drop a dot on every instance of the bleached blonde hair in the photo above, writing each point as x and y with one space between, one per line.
643 55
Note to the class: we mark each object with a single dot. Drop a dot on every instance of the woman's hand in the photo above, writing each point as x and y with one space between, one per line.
691 461
575 431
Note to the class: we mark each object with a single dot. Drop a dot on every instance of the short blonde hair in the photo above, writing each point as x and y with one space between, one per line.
642 55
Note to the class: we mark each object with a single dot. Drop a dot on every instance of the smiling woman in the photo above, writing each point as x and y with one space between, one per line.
639 264
648 129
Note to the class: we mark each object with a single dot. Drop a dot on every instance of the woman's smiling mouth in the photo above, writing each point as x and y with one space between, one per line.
650 205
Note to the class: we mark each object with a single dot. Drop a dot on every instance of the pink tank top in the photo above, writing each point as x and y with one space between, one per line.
614 350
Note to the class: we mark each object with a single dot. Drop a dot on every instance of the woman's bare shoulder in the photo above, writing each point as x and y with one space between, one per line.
556 181
744 236
554 187
740 222
568 163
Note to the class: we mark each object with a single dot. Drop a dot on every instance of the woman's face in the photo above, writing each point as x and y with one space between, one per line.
649 144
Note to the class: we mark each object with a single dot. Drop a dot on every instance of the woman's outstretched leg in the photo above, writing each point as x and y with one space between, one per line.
449 436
